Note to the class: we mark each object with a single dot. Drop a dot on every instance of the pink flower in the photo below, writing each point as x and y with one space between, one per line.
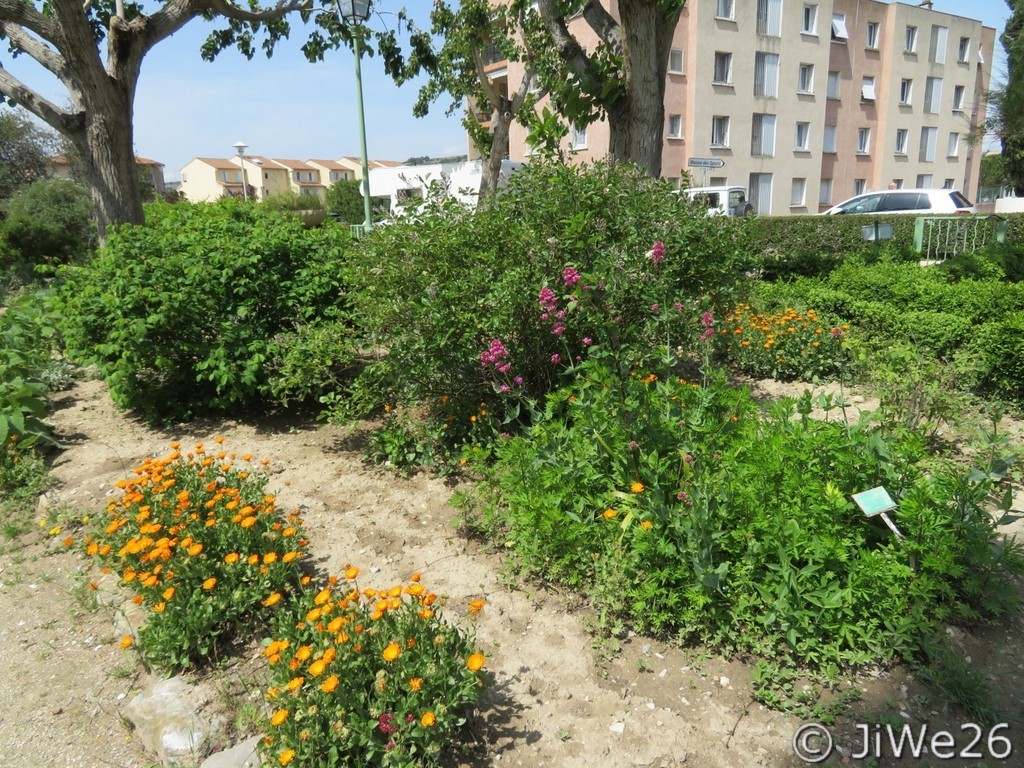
707 320
559 329
555 358
587 341
677 305
504 389
570 277
657 253
654 307
709 333
548 300
518 380
633 445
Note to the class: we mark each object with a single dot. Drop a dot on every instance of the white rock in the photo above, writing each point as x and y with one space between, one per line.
171 719
723 681
617 727
243 755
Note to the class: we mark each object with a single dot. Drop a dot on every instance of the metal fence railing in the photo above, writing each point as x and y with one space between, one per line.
937 238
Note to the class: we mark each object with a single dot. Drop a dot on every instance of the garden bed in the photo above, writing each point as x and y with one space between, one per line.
559 696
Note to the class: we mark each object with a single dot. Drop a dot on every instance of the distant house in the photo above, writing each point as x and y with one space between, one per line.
331 171
405 183
303 178
150 171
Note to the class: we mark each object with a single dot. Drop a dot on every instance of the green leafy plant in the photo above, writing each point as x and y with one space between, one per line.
182 315
371 676
49 222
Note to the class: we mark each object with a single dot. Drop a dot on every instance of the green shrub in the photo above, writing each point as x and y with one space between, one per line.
439 293
182 315
999 345
50 222
315 361
681 509
294 201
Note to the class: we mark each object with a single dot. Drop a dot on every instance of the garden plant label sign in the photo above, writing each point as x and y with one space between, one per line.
876 502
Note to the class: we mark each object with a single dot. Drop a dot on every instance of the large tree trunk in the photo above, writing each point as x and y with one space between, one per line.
636 121
108 157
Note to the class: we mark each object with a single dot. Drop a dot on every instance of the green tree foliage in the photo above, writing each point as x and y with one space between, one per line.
1008 121
345 200
50 222
25 151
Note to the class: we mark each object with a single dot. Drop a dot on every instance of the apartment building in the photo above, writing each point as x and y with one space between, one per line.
807 103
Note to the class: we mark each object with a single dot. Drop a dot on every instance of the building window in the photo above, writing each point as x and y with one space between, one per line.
863 141
184 178
867 89
872 36
723 68
928 138
897 183
859 186
719 181
953 146
798 193
675 61
834 80
910 41
806 79
769 18
958 98
825 192
803 137
839 32
937 46
675 126
948 183
766 75
810 23
964 51
924 181
932 95
578 135
901 140
762 140
906 91
828 142
724 9
761 192
720 131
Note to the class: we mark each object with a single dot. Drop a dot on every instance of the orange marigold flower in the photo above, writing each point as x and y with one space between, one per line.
286 756
168 593
392 652
248 522
317 668
636 488
279 717
426 614
269 558
69 541
289 557
476 606
289 532
313 615
322 596
273 599
351 573
428 719
159 607
646 525
252 559
303 653
295 683
231 558
210 583
195 549
610 514
476 662
415 683
126 641
329 684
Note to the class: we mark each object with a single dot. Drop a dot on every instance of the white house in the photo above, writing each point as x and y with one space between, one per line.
460 180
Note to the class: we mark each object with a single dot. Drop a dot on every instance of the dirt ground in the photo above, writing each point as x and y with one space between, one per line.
560 698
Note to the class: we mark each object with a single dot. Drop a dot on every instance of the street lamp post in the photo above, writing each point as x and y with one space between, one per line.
353 12
240 147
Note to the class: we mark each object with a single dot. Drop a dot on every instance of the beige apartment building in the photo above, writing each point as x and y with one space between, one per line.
807 103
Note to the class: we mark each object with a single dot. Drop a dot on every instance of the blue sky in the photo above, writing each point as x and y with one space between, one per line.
286 107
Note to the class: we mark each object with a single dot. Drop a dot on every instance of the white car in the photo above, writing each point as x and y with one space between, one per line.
719 201
918 201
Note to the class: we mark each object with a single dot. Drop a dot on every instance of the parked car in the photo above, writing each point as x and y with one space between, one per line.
720 201
919 201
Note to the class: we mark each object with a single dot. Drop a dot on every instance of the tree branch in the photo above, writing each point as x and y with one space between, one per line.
45 110
79 44
567 46
485 82
232 11
603 24
35 48
25 15
171 17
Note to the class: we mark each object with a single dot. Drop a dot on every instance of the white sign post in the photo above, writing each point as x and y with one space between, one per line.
705 163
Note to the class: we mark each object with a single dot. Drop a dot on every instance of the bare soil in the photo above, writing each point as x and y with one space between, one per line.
560 697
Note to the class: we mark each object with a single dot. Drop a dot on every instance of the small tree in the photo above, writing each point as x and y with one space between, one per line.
1007 118
25 151
345 200
50 221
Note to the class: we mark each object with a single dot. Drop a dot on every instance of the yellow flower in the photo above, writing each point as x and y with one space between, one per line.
329 684
415 683
476 662
646 525
611 513
279 717
126 641
303 653
295 683
159 607
392 652
210 583
168 593
428 719
636 488
317 667
231 558
195 549
286 756
274 599
270 558
351 573
248 522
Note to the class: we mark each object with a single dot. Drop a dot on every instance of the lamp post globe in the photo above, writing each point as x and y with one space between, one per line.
240 147
353 11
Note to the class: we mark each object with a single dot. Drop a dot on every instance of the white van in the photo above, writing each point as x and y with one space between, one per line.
720 201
